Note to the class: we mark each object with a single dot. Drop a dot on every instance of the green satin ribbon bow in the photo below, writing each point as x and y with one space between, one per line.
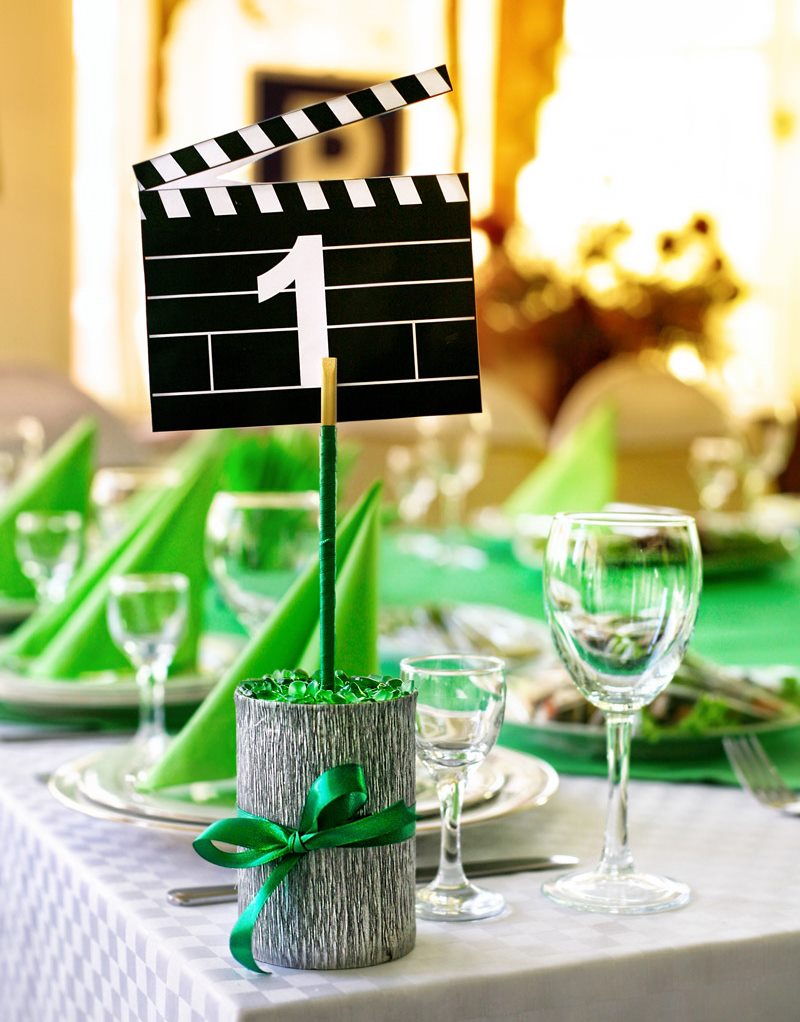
327 821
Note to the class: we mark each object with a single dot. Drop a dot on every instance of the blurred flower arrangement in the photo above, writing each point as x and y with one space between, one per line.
547 327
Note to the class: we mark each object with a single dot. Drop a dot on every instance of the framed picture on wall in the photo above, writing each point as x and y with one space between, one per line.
372 147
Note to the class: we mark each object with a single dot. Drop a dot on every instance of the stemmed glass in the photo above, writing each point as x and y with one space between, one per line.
21 445
621 592
49 546
453 449
147 619
768 430
715 465
460 703
113 491
256 544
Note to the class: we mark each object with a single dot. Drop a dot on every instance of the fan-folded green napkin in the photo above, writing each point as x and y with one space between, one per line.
32 637
205 750
59 482
165 534
580 475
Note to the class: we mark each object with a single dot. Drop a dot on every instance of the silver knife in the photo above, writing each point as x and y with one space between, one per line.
189 896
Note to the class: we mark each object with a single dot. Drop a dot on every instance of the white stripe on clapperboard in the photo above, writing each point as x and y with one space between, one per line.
331 326
312 195
299 386
328 287
327 248
256 136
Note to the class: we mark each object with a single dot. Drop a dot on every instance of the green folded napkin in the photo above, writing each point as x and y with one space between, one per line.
164 534
284 460
205 750
580 475
58 482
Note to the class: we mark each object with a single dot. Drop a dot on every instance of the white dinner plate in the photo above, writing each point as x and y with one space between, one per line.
94 786
462 628
102 781
111 690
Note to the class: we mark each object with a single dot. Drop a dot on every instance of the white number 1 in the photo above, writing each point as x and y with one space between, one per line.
303 265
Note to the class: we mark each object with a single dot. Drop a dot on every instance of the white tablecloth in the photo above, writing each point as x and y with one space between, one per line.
88 935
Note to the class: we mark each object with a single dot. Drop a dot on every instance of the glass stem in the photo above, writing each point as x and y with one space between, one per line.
453 504
616 858
450 790
151 678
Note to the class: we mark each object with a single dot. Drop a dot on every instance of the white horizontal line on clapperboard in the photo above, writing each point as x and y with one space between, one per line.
331 326
353 383
325 248
328 287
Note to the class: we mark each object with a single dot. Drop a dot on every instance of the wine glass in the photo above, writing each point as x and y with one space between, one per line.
414 489
767 429
113 489
49 546
411 483
147 618
621 592
256 545
21 445
460 703
716 464
453 449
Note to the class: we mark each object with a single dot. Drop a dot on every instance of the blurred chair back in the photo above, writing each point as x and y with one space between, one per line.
658 417
57 403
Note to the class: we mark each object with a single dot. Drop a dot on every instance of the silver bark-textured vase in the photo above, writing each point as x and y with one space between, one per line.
339 908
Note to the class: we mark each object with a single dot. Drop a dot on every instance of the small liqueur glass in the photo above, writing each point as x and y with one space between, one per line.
460 704
147 619
49 547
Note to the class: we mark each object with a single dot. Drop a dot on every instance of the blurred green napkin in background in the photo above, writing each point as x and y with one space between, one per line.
580 475
280 460
59 481
205 750
165 534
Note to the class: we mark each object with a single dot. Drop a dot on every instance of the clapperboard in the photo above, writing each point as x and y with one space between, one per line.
249 286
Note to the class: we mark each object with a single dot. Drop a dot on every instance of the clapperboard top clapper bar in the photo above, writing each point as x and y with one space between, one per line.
249 286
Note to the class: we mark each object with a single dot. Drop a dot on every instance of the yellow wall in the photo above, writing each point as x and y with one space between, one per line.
35 181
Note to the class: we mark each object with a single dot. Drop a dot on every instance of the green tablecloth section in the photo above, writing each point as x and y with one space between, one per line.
744 619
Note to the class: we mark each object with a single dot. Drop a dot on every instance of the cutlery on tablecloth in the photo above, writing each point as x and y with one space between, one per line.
214 895
758 774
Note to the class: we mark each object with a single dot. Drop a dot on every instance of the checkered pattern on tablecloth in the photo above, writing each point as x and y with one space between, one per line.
87 934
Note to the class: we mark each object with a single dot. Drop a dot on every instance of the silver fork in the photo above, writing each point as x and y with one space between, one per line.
758 775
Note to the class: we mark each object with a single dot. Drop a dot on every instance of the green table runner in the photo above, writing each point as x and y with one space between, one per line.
743 619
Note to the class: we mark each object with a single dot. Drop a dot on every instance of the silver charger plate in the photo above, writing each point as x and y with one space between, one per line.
94 785
118 691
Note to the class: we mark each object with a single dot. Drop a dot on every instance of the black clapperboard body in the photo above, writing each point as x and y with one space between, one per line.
249 286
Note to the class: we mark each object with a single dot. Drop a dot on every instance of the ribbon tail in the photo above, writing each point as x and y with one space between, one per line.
241 942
